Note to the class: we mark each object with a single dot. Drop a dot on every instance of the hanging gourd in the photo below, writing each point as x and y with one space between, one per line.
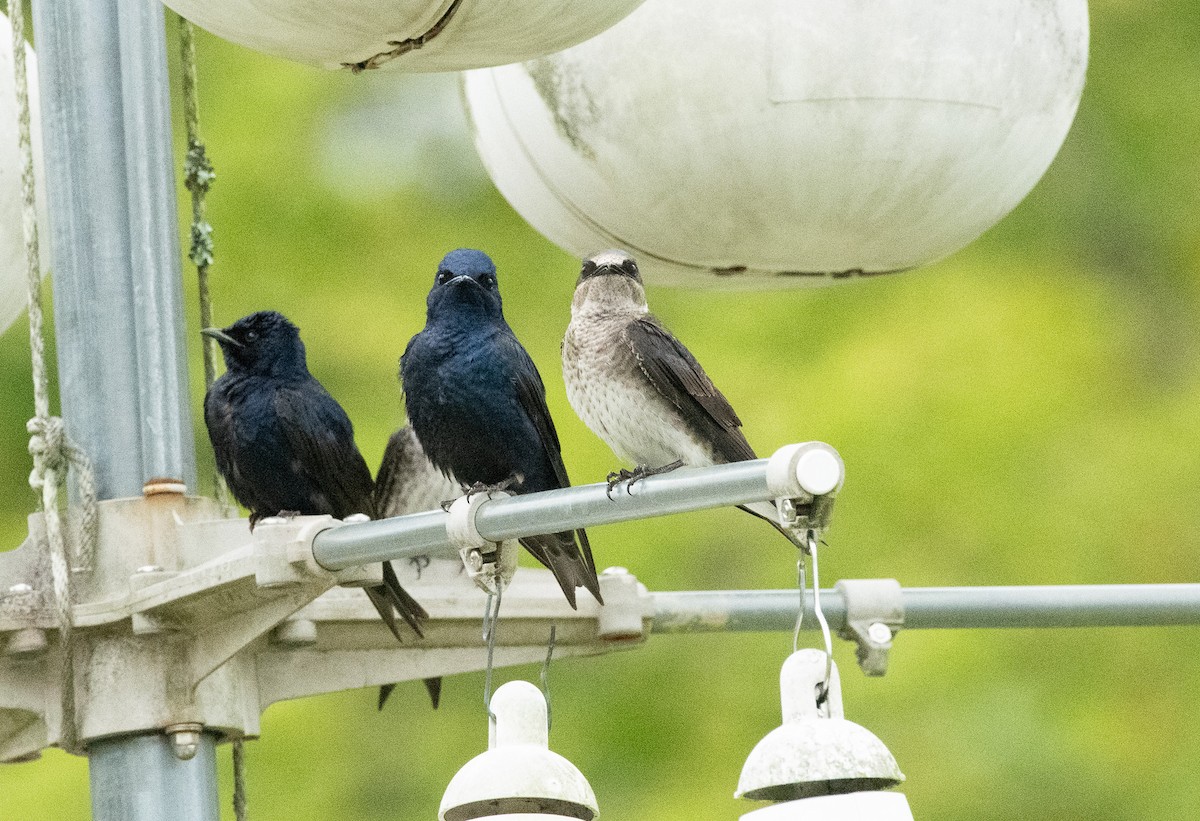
12 234
722 140
414 35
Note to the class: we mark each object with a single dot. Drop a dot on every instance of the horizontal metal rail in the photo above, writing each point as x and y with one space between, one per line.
793 471
1103 605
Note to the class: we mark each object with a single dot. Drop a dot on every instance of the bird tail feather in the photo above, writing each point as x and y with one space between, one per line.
569 560
768 512
433 685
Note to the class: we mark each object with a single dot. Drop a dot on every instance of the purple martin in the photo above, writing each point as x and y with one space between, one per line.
407 482
478 406
285 446
638 388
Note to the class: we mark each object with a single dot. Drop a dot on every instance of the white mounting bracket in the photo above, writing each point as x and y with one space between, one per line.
189 619
874 614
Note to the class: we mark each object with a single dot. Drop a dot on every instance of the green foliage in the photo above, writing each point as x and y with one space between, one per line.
1023 413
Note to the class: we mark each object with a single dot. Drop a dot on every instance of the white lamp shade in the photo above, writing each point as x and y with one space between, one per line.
13 288
518 776
751 140
334 33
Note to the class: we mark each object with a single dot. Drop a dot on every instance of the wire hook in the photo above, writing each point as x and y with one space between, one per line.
811 541
544 677
802 584
491 620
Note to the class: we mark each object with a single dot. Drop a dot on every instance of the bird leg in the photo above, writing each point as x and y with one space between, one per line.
637 474
480 487
420 562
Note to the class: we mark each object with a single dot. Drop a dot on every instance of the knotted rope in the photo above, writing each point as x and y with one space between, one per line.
53 452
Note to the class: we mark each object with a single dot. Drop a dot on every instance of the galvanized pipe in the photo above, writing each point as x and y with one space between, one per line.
794 470
1102 605
140 778
111 200
123 382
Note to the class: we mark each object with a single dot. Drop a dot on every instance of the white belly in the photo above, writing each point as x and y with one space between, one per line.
614 398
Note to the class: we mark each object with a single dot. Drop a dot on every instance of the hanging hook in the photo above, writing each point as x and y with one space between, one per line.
544 678
491 618
800 583
823 695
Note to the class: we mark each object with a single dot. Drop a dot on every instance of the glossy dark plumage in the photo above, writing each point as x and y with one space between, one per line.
284 445
478 406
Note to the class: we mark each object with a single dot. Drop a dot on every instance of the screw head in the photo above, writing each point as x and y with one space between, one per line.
879 633
185 740
474 560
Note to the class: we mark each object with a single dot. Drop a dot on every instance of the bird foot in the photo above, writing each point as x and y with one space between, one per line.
640 472
480 487
420 562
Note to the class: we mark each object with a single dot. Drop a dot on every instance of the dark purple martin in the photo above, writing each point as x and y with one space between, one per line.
638 388
478 406
285 446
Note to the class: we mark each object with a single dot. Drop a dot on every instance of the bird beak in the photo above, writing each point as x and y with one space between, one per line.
220 336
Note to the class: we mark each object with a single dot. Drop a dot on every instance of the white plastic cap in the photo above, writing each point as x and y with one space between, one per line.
815 751
518 777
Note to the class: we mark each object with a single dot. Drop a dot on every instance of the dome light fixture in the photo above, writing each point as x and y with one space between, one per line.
518 777
817 766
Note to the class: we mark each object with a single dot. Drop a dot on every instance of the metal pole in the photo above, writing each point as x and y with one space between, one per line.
1101 605
115 250
118 316
514 517
139 777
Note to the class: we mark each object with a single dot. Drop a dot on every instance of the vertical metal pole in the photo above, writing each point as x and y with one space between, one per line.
139 778
111 197
118 317
155 258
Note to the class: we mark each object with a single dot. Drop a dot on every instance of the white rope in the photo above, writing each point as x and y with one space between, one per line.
52 451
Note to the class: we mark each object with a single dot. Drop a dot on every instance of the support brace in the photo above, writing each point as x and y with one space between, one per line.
874 614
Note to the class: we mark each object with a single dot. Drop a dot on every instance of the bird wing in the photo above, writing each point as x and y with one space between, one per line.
321 439
407 482
678 377
531 396
218 417
569 556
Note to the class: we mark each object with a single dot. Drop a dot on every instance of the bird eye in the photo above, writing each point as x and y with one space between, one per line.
443 277
487 280
251 336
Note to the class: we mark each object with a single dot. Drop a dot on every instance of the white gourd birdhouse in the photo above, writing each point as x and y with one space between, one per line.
752 141
452 34
816 765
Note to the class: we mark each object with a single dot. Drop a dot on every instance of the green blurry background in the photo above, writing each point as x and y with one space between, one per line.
1022 413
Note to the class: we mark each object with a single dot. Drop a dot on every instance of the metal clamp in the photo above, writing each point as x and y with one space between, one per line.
874 614
490 565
